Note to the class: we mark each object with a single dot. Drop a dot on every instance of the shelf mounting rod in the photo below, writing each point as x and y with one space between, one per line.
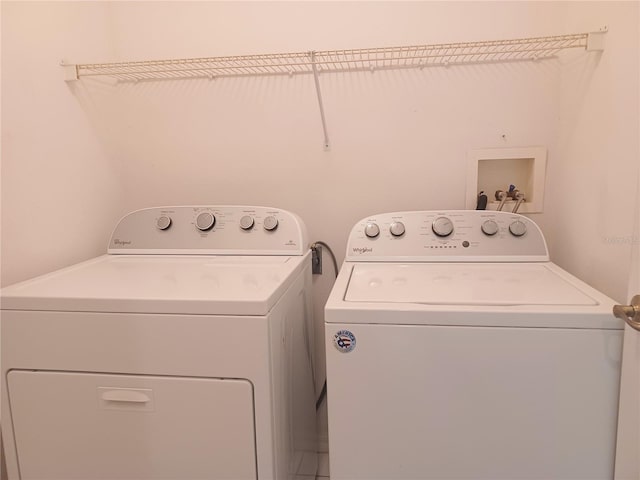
316 78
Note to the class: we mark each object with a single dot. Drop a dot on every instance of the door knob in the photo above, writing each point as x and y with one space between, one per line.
629 313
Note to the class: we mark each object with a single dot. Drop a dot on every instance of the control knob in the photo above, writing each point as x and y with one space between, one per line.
489 227
518 228
442 227
246 222
397 229
270 223
163 222
371 230
205 221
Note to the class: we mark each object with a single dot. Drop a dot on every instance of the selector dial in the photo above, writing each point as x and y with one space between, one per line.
442 227
205 221
371 230
489 227
518 228
163 222
397 229
246 222
270 223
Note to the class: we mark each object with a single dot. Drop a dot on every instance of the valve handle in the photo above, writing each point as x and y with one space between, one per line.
629 313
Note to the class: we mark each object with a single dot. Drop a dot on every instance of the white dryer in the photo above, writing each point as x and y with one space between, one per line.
457 350
183 353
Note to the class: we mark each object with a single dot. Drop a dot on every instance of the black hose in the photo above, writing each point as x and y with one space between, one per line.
323 392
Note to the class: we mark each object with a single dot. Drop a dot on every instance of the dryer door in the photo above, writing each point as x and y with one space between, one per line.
91 426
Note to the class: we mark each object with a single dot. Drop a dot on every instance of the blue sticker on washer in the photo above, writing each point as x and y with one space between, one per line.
345 341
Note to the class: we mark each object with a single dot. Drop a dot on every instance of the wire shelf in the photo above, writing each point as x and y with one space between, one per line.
316 62
417 56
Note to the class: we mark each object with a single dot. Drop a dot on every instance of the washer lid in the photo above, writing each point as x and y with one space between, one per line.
481 284
215 285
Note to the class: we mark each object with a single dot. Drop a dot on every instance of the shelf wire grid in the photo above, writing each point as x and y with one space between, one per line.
417 56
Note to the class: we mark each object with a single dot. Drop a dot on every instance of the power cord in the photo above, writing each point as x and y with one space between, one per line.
323 392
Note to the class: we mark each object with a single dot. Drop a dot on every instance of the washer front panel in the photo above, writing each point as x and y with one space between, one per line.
433 402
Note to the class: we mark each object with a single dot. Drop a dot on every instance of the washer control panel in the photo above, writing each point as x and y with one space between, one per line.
447 236
210 229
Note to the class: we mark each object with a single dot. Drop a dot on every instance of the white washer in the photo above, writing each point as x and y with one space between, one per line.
456 349
184 353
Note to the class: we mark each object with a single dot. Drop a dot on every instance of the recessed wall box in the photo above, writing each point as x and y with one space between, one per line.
492 169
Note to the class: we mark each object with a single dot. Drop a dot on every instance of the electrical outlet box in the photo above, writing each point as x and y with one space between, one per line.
316 260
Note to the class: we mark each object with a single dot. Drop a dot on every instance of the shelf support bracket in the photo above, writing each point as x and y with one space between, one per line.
70 71
316 78
595 40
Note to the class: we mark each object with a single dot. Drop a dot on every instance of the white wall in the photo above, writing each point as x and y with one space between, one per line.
592 183
60 193
77 156
398 139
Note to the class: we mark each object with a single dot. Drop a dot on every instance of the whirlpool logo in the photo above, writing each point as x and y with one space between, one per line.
122 243
361 250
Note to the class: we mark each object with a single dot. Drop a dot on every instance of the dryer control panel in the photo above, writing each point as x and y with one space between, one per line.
210 230
447 236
